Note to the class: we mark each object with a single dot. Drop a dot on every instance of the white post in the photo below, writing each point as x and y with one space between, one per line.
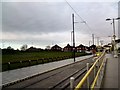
72 79
94 69
97 70
88 79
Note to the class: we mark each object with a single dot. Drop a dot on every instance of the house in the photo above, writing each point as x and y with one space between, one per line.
68 48
93 49
87 48
80 48
56 48
34 49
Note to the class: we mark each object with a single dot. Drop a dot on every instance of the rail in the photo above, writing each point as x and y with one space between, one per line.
100 61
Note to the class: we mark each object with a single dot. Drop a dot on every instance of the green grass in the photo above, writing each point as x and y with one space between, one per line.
23 56
35 57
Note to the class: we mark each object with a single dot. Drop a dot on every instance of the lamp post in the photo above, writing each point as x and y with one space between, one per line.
114 36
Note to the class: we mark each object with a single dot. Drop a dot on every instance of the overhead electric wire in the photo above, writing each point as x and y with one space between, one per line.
78 15
90 31
74 11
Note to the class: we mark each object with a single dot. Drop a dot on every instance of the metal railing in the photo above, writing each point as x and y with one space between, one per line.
98 69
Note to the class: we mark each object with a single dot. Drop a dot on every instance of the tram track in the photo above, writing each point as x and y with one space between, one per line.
65 82
58 78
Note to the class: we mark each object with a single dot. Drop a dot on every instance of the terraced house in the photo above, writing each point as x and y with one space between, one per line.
68 48
56 48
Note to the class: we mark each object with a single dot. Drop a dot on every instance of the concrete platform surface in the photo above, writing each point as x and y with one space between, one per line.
110 79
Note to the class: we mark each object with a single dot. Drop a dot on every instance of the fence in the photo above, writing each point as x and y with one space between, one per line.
94 75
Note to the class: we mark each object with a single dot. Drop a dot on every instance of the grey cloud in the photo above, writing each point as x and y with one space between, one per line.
36 17
33 18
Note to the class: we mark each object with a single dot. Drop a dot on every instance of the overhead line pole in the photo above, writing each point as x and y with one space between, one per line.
98 41
73 37
93 38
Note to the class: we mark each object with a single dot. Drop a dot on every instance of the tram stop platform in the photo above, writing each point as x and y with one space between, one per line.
111 80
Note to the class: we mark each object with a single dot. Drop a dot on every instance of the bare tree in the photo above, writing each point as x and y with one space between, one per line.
24 47
48 47
9 47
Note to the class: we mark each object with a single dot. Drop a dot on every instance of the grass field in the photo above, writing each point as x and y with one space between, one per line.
32 56
41 57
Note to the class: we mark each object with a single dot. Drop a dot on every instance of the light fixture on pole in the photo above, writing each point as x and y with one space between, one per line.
114 36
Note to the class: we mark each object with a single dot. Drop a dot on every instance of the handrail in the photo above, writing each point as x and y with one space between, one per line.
88 73
94 82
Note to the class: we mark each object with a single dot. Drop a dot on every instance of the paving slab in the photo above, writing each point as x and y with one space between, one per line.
110 79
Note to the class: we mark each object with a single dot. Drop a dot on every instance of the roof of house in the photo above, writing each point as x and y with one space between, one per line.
68 46
80 46
56 46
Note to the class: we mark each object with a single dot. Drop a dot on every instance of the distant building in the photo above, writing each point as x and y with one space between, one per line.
34 49
81 48
56 48
68 48
93 49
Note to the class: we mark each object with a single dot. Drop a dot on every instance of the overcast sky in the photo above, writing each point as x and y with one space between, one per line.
48 23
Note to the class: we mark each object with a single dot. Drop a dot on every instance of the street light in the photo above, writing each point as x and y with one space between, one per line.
114 36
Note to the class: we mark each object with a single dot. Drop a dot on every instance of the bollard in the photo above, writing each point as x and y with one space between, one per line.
8 65
94 69
72 79
29 62
37 61
20 64
42 60
88 79
99 76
